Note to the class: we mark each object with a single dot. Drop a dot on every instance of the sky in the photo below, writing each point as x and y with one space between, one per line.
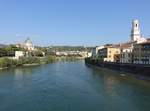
71 22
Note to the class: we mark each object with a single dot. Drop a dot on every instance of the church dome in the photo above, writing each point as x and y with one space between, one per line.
28 41
28 44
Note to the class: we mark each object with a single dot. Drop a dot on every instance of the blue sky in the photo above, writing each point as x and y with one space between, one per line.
71 22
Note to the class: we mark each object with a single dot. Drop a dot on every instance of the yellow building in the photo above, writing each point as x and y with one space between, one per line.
109 54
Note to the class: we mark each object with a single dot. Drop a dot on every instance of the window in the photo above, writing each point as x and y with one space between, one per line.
136 25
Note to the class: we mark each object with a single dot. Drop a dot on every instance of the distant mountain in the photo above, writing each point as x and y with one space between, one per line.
2 45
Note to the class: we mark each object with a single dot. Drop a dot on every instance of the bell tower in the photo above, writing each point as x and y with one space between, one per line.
135 32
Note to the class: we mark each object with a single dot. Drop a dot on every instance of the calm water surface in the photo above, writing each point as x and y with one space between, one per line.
71 86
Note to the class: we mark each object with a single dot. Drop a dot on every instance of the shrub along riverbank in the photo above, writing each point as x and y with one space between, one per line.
6 62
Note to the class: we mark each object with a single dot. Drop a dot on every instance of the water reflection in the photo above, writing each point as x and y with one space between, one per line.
18 73
110 85
121 93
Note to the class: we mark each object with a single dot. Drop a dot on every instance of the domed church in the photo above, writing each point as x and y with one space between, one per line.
28 45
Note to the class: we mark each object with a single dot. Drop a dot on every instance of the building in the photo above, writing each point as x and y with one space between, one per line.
95 51
137 50
19 54
89 54
141 53
135 32
126 52
126 55
27 45
109 54
83 54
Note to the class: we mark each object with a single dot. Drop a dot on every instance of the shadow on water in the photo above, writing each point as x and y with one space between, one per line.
123 90
119 75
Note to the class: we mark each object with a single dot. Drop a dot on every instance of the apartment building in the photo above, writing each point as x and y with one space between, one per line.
109 54
141 53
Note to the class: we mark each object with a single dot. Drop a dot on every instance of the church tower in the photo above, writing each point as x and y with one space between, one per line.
135 32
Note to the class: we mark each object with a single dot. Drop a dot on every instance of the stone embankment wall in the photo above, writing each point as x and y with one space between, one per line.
137 69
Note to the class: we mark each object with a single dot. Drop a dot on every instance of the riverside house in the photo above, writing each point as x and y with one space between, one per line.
136 51
141 53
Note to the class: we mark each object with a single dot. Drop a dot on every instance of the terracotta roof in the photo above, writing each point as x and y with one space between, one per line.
121 45
147 42
148 39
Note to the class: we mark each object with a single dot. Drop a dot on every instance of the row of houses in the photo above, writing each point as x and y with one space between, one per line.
83 54
30 50
136 51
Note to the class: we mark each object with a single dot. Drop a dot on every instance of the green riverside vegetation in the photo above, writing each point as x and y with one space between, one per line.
36 57
6 62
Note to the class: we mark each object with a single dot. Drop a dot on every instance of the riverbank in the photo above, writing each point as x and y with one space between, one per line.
6 62
137 70
121 73
35 64
32 61
3 68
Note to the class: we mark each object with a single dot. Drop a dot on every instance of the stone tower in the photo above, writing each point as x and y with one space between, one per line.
135 32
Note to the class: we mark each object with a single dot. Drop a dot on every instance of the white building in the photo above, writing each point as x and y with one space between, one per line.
136 38
135 32
129 51
28 44
19 54
126 55
95 51
89 54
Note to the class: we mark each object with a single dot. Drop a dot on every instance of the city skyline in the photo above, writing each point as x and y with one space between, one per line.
67 22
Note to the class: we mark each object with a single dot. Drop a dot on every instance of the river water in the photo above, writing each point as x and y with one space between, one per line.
71 86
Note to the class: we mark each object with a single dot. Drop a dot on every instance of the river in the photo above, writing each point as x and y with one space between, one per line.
71 86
